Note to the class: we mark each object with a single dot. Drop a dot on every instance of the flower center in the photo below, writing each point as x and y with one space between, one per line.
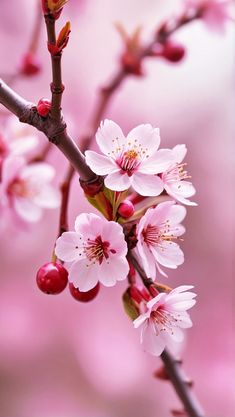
154 235
97 250
163 319
21 188
129 161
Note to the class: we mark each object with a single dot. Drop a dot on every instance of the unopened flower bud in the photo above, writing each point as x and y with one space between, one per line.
126 209
53 7
29 66
173 52
43 107
61 41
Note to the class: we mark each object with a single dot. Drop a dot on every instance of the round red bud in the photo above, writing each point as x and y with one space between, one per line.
43 107
84 296
126 209
30 66
173 52
52 278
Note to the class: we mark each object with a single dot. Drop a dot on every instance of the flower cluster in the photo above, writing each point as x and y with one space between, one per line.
25 187
100 250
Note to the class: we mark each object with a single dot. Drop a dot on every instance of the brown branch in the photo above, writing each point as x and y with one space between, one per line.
182 385
173 366
55 130
57 87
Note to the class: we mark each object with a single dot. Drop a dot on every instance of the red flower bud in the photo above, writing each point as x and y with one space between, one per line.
84 296
173 52
52 278
43 107
126 209
30 65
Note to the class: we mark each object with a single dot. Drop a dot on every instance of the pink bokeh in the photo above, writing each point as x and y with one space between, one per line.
60 357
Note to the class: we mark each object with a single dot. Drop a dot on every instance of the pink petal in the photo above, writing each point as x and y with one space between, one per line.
84 275
117 181
176 214
101 165
147 136
147 260
48 197
181 289
27 210
89 225
159 162
112 270
11 168
113 233
40 172
147 185
180 191
23 145
169 254
152 343
141 319
69 247
179 152
109 136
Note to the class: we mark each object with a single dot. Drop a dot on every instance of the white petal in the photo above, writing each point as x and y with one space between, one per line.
113 233
147 136
176 214
23 145
117 181
109 137
83 275
69 247
181 289
141 319
47 197
152 343
182 305
159 162
179 152
27 210
40 172
112 270
11 169
101 165
147 185
89 225
180 191
147 260
169 254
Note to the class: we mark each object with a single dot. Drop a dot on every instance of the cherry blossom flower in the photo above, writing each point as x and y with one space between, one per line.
215 13
130 161
96 251
165 318
155 232
174 178
26 188
16 139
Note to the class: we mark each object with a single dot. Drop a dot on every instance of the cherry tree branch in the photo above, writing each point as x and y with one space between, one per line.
55 130
174 372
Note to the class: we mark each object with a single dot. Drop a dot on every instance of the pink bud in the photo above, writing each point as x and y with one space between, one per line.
126 209
173 52
43 107
30 66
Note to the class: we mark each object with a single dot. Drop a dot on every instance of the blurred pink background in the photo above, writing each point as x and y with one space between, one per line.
58 357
